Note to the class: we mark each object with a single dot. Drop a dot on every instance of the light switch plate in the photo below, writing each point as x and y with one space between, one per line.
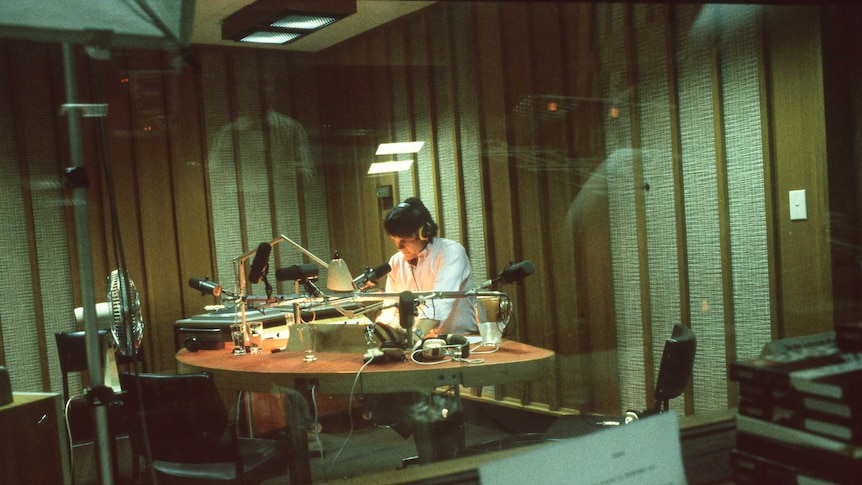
798 208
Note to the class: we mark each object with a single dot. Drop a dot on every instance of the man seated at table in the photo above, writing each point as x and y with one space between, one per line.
424 262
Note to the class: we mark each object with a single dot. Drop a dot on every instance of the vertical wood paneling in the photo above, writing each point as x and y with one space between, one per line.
372 249
421 101
497 184
799 161
465 106
587 350
342 160
156 259
448 161
193 208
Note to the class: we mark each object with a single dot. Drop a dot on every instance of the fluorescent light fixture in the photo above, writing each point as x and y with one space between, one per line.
303 22
269 38
283 21
396 148
387 167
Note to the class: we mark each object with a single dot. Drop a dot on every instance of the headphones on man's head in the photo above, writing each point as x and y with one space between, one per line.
424 232
436 348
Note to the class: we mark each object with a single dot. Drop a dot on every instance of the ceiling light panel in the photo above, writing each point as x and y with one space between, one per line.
283 21
303 22
270 37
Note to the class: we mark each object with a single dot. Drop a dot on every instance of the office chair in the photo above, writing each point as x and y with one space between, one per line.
674 373
190 434
72 352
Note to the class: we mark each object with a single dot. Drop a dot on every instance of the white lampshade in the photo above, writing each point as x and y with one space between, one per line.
339 278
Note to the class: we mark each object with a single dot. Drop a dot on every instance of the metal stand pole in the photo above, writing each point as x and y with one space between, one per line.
88 299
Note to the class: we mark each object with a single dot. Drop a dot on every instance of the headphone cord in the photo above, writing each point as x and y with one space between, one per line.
443 360
475 350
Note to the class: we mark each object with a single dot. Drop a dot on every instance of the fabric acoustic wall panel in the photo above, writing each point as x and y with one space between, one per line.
35 205
659 187
622 208
726 171
745 181
701 198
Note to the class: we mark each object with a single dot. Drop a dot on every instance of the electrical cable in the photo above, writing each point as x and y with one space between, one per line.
69 434
315 425
350 413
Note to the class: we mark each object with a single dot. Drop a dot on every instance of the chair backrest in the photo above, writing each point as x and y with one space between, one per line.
677 362
72 350
186 419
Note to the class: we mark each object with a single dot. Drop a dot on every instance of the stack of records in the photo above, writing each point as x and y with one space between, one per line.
798 414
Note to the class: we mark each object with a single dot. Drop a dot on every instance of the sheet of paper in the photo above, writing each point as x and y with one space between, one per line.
644 452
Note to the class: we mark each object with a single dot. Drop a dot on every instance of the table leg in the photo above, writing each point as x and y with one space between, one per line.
297 435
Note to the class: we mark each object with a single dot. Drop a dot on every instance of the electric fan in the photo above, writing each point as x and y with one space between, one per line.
127 325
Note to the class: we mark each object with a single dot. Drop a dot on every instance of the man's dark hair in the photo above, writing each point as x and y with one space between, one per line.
408 218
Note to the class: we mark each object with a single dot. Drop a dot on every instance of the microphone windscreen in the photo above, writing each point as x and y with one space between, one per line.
260 263
517 272
296 272
205 286
380 270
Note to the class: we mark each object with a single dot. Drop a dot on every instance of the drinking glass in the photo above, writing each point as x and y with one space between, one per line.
307 336
255 337
237 332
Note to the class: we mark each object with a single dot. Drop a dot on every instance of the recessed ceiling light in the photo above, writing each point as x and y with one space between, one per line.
303 22
269 38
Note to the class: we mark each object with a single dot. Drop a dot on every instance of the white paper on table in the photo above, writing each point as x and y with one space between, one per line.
644 452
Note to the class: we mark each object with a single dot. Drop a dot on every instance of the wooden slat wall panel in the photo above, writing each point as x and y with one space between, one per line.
590 344
500 230
466 92
794 35
194 221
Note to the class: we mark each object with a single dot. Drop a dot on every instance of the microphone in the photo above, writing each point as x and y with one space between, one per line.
206 286
260 264
513 273
406 308
370 276
297 272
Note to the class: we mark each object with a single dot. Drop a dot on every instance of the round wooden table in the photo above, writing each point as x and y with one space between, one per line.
336 372
339 373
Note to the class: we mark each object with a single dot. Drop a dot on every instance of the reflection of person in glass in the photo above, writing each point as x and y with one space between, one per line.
260 164
425 262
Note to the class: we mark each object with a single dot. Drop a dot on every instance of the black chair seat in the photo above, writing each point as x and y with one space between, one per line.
259 461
